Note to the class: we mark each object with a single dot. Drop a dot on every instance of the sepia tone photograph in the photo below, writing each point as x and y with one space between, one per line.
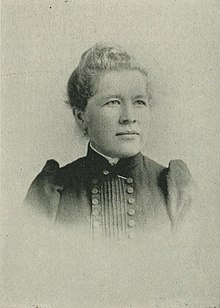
110 154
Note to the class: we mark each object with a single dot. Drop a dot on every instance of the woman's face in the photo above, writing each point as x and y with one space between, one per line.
117 116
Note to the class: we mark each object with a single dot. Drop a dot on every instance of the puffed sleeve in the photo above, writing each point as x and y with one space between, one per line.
44 192
180 192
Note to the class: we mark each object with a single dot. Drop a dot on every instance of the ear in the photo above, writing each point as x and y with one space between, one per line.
79 116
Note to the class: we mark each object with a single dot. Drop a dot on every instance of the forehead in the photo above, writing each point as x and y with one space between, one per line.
122 82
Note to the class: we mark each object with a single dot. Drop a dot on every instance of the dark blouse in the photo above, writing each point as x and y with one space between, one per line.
132 198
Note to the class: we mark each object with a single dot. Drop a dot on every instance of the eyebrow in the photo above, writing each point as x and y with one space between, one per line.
121 97
140 96
111 96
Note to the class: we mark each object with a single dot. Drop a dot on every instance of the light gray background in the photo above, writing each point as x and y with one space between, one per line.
177 40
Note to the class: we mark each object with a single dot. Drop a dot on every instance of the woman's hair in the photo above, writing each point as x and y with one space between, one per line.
95 61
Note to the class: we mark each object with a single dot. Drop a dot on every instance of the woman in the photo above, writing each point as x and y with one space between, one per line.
115 191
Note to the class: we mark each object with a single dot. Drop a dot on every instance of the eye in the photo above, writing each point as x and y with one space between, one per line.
113 102
140 102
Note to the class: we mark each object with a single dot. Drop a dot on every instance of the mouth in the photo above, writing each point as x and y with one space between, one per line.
127 133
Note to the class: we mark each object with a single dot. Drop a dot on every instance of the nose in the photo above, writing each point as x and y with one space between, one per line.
127 115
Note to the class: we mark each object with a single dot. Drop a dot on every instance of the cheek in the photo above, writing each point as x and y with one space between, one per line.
102 118
144 117
100 123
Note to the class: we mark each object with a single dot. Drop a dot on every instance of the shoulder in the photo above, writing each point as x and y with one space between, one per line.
180 191
152 167
52 172
177 185
177 172
180 182
155 173
44 192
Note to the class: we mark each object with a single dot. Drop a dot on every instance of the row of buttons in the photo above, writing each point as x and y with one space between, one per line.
96 207
95 212
96 201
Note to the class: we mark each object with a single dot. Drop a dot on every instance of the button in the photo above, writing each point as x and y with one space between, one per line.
95 181
95 191
96 224
130 190
95 212
131 212
131 223
131 235
105 172
129 180
131 200
95 201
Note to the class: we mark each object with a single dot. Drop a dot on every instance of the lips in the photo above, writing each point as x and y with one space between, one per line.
130 132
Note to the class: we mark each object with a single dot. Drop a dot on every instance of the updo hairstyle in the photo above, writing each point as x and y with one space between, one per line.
95 61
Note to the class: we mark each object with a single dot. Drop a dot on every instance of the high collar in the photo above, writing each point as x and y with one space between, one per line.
112 161
98 163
